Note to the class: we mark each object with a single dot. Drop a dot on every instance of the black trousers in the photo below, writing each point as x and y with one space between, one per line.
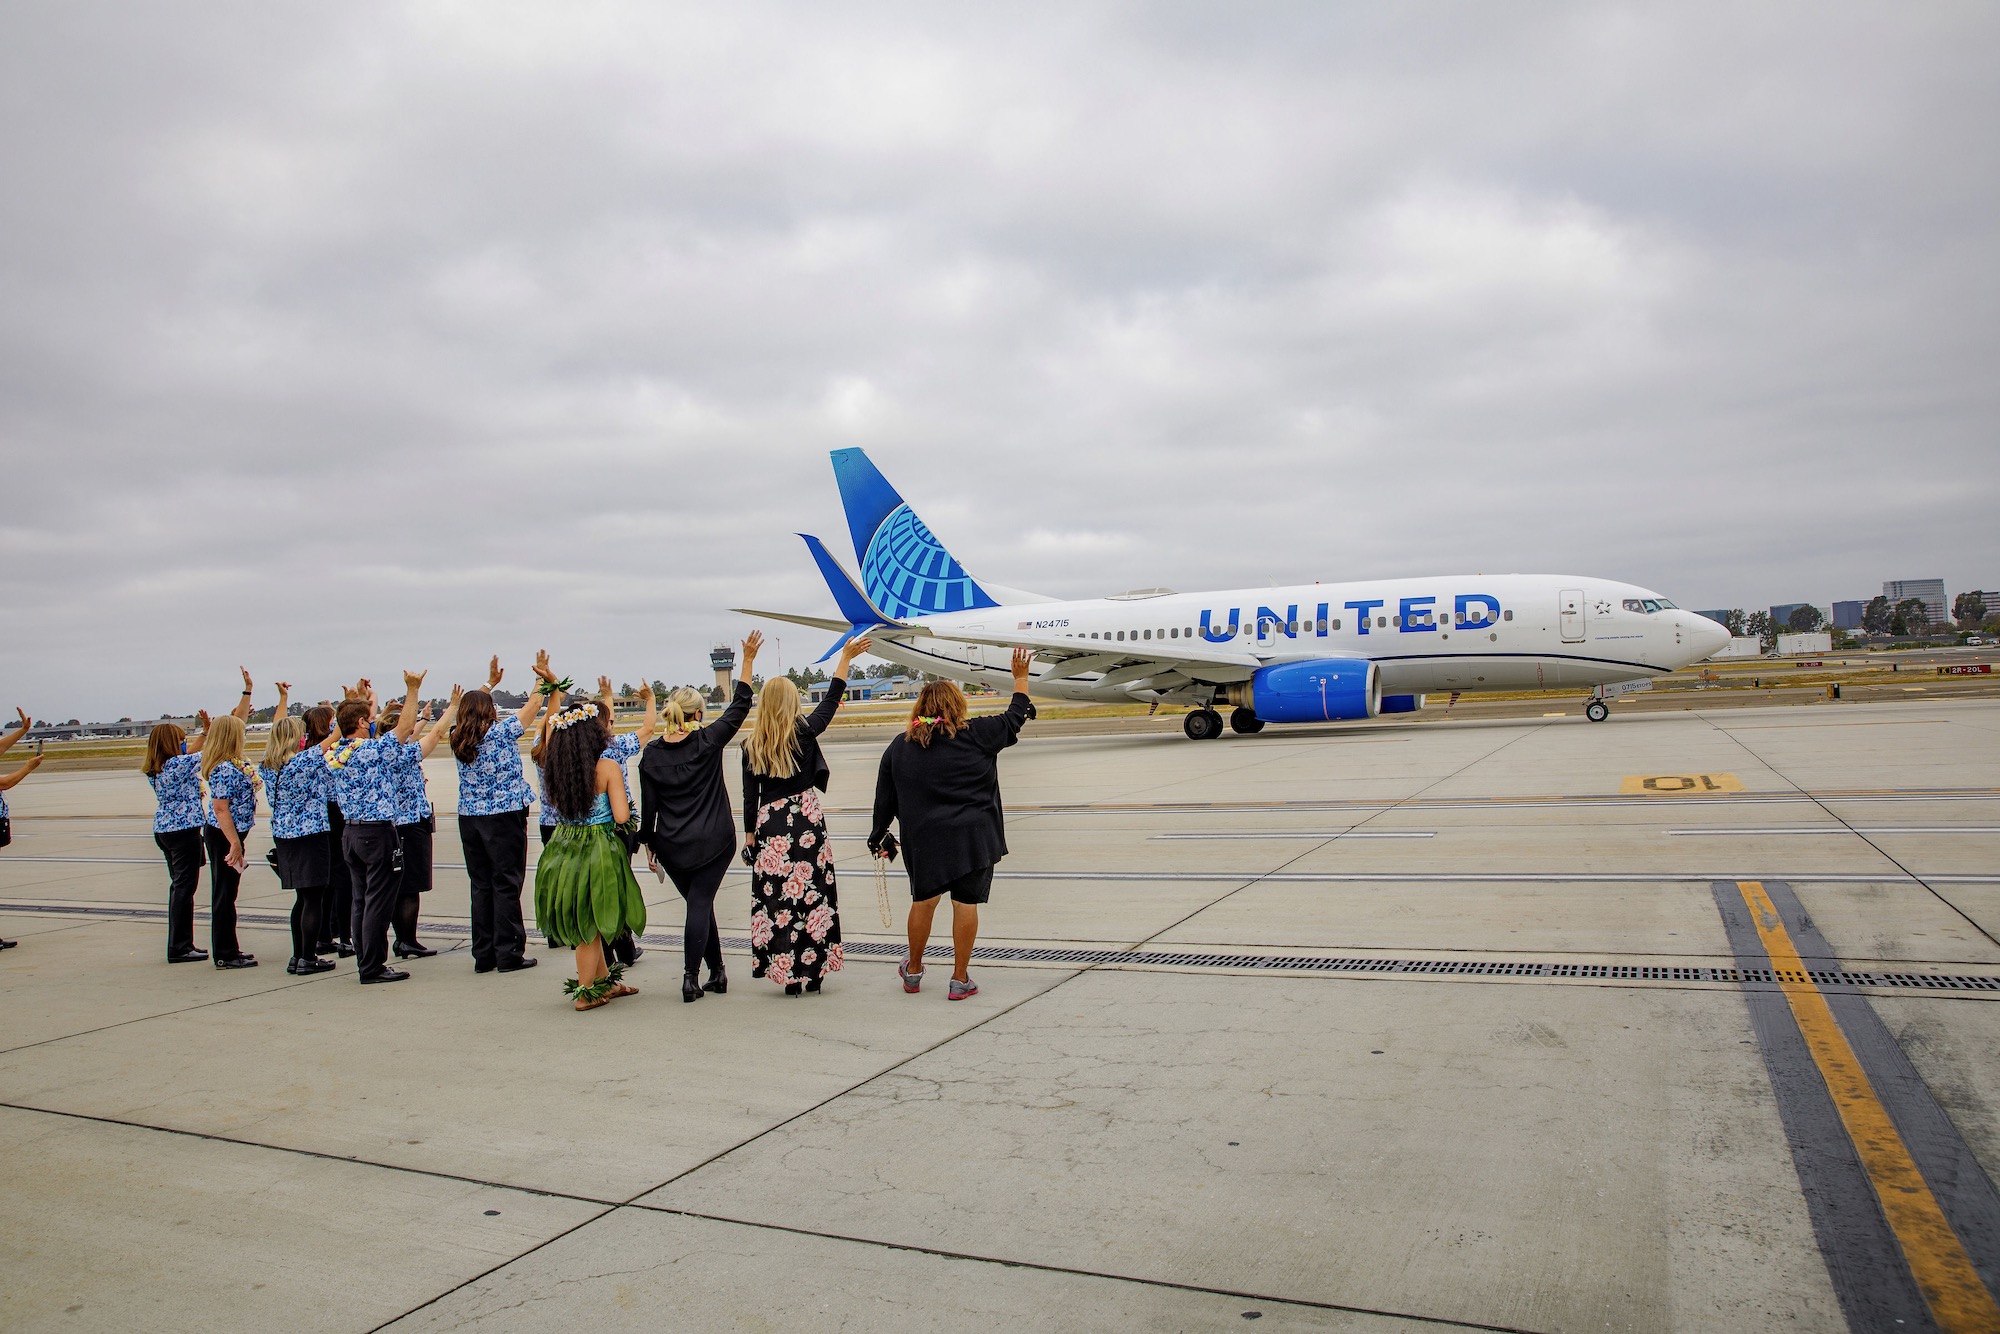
369 847
496 862
702 939
184 851
336 910
223 880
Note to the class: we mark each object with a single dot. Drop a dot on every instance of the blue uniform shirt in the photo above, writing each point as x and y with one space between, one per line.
230 783
413 802
364 781
298 795
178 788
493 783
621 749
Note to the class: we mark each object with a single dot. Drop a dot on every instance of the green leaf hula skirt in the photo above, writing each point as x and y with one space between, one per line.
584 887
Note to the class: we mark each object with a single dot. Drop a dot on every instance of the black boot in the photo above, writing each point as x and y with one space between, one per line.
718 982
691 987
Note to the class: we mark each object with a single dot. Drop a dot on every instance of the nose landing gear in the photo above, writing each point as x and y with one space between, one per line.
1202 724
1597 710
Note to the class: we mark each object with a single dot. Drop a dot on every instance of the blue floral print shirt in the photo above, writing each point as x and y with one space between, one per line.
231 783
413 802
493 783
621 749
178 787
364 779
298 795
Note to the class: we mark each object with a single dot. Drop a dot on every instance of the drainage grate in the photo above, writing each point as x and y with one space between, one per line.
890 949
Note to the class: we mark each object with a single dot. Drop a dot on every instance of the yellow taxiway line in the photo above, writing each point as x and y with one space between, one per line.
1944 1273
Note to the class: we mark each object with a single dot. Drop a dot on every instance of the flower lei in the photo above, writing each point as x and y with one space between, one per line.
571 717
555 687
927 722
338 757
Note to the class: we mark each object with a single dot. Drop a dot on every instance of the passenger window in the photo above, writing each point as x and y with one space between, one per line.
1291 627
1506 615
1149 634
1381 622
1121 634
1336 622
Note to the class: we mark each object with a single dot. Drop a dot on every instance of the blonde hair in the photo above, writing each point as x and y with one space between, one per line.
683 711
773 745
222 743
283 747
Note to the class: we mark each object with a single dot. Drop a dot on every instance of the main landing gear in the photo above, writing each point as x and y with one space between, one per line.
1597 710
1245 722
1202 724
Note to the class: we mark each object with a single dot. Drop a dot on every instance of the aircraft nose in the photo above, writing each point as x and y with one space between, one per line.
1708 637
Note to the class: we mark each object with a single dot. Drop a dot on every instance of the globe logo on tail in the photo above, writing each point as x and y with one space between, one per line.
909 573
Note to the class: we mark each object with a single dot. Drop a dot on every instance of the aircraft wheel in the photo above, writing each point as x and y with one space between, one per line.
1245 722
1202 724
1597 711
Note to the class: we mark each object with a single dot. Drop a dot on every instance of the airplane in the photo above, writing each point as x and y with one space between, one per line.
1303 653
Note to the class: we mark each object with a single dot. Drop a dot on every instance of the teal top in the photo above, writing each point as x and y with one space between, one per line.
600 812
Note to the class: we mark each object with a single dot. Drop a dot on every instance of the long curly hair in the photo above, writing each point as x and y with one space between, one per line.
570 757
475 715
939 711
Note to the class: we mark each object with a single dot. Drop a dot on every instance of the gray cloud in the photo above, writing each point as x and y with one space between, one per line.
342 339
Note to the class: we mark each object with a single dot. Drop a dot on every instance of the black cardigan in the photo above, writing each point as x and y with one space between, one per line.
946 796
810 769
683 804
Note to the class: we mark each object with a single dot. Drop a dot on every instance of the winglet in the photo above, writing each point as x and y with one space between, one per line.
847 594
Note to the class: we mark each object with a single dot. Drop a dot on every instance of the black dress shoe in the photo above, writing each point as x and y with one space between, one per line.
718 982
812 987
386 975
189 956
326 947
794 988
306 967
8 944
413 951
516 965
344 948
691 987
478 967
240 961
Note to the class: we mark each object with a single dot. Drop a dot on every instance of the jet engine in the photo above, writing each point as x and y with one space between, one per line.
1318 690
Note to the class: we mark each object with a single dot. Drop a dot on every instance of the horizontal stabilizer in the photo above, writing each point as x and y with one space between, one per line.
816 622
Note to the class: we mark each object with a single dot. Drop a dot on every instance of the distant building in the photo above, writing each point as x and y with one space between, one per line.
1847 615
1930 592
1819 641
1740 646
1781 615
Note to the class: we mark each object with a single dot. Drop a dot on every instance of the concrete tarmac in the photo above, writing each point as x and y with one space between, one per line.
1682 1021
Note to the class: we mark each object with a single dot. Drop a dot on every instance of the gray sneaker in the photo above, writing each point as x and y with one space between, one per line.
960 990
912 982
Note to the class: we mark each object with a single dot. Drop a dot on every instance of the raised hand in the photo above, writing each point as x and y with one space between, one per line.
413 680
493 672
26 721
246 679
853 649
542 665
751 643
1023 659
201 716
604 688
646 691
457 694
284 687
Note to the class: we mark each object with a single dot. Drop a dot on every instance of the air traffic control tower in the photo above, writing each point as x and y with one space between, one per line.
722 658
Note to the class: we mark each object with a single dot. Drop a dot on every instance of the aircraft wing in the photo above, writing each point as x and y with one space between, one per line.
1104 655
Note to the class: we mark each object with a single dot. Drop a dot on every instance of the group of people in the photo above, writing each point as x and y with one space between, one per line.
352 825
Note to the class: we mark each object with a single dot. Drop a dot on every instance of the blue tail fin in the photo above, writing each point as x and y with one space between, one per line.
904 569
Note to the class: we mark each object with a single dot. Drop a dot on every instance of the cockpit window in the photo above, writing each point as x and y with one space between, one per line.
1651 605
1633 604
1667 606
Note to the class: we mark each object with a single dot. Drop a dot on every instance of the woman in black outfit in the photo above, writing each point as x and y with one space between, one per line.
336 901
795 925
941 781
684 815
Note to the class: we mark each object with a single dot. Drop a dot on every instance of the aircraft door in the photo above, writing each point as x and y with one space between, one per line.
1572 615
1267 632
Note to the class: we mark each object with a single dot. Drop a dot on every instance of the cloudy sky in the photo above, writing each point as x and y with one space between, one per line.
340 338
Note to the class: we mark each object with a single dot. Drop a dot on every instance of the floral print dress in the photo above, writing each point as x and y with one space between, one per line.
795 923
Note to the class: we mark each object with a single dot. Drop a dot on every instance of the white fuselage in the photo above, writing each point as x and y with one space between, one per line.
1448 633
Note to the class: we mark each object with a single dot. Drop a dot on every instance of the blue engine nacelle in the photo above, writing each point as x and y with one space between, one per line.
1320 690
